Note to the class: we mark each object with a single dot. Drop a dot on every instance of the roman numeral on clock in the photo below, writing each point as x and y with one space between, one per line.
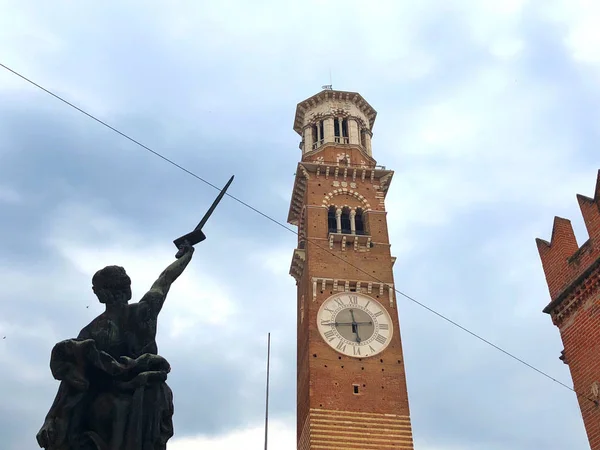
384 326
341 346
356 350
329 335
353 299
381 339
378 313
339 302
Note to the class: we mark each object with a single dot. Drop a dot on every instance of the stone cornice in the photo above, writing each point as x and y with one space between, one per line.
369 160
328 95
297 201
344 285
297 266
307 170
586 285
341 113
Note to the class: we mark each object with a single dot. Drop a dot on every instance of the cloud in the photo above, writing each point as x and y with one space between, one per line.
196 301
9 195
486 112
577 28
281 435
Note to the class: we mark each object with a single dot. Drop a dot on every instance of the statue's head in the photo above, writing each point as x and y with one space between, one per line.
112 285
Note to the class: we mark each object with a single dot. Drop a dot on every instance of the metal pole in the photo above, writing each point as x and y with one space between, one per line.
267 401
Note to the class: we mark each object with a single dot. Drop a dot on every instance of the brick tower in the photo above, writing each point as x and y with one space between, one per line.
351 385
573 276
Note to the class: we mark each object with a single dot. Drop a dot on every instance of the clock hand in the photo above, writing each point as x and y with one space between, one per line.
355 327
354 322
347 323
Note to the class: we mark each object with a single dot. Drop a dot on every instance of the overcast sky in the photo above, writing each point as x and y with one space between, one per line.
488 112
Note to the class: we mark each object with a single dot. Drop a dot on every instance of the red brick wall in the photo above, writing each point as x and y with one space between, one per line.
303 374
580 333
573 277
325 377
381 378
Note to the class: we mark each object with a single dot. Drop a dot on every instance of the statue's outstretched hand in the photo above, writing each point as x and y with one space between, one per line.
184 249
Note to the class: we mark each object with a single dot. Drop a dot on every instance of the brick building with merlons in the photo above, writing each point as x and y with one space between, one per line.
573 277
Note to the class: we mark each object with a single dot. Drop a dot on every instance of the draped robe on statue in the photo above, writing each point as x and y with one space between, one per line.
113 394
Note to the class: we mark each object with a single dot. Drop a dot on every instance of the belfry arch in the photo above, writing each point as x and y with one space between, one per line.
328 200
345 218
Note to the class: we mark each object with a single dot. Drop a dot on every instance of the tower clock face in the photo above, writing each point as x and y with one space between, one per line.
354 324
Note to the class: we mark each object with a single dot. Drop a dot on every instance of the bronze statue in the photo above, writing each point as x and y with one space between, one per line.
113 393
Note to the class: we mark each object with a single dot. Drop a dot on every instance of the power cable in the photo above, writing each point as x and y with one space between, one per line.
275 221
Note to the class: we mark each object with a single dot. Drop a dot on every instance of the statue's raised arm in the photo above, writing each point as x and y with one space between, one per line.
113 392
156 296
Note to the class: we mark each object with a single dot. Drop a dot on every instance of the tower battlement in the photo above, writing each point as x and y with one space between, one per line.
573 277
566 263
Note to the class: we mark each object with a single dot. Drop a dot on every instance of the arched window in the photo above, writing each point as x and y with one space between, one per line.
317 134
359 222
346 228
331 222
340 130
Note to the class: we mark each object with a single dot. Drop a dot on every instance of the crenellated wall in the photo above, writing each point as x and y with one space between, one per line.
562 258
573 277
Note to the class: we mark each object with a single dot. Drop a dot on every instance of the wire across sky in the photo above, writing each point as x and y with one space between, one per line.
276 222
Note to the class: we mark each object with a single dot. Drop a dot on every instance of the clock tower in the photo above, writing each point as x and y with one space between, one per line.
351 384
